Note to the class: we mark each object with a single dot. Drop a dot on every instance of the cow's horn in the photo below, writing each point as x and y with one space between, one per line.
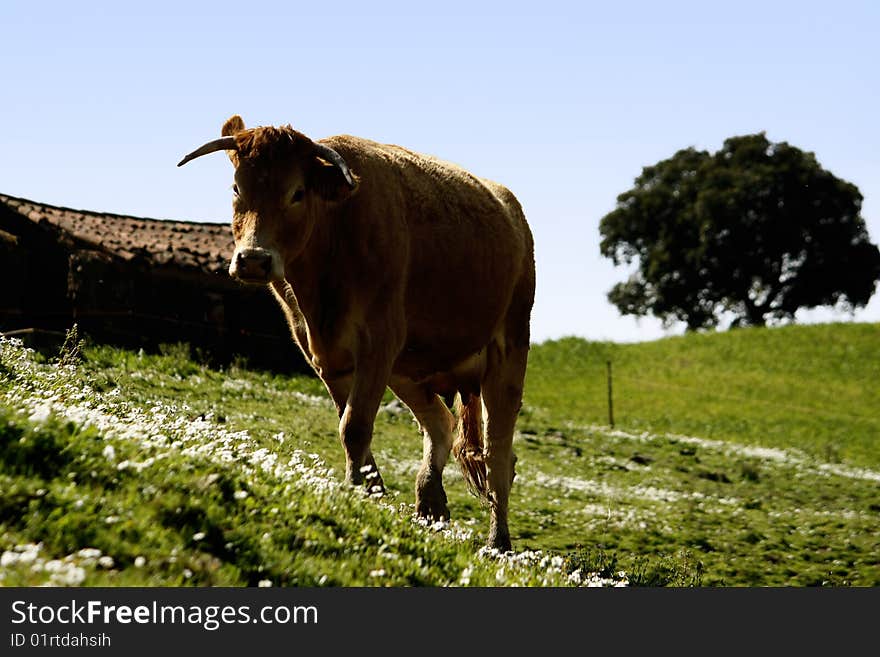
334 158
222 144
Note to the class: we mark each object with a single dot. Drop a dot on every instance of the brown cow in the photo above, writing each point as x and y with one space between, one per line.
394 269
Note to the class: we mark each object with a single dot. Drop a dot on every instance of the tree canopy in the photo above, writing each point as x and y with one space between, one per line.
757 229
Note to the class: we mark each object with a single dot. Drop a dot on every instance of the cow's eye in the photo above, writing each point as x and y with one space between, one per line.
235 189
297 196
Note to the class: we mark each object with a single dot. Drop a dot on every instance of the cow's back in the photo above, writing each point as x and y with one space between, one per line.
468 246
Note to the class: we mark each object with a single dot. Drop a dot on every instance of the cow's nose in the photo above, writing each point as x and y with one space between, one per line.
253 264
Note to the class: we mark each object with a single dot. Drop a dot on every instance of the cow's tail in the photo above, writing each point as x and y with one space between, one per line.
468 447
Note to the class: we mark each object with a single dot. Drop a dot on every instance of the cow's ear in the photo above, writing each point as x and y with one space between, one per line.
329 182
233 125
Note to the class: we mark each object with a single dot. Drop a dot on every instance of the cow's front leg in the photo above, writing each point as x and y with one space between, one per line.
368 384
340 390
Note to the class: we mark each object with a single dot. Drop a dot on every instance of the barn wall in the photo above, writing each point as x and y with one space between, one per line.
53 282
33 268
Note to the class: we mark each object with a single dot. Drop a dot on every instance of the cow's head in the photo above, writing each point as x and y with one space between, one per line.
283 183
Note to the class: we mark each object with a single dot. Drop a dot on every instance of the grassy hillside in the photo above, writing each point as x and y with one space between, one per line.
756 450
813 388
744 458
119 468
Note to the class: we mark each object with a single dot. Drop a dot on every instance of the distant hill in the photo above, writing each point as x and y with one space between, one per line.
811 387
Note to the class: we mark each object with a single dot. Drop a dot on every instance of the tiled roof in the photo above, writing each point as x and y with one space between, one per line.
186 244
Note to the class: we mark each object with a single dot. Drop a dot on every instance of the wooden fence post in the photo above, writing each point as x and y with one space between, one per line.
610 396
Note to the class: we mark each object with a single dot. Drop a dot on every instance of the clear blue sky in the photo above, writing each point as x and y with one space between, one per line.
562 102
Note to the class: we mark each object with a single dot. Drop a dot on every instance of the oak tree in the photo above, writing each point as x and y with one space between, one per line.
758 230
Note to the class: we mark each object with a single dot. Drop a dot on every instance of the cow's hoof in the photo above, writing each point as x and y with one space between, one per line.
430 496
367 477
499 540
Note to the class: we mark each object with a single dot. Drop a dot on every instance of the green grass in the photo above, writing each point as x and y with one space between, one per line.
744 458
813 388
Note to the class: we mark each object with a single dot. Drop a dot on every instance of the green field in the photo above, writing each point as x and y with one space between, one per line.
742 458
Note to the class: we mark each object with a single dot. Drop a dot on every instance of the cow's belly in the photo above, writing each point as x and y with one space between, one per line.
442 350
442 376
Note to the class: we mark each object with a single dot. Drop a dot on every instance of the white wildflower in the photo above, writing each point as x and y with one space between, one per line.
264 583
40 414
29 554
69 576
89 553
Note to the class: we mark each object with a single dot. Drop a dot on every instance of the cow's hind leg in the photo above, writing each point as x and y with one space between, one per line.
437 424
502 390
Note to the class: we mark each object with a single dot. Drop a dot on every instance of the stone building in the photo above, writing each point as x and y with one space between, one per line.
134 282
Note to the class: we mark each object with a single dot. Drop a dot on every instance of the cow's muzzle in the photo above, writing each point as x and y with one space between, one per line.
254 266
